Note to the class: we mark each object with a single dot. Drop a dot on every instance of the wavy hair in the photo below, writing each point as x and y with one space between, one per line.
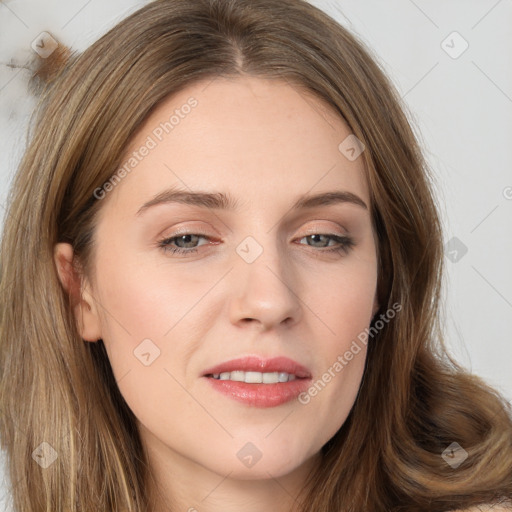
58 395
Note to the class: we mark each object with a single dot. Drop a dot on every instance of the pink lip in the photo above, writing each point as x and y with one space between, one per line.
256 364
261 395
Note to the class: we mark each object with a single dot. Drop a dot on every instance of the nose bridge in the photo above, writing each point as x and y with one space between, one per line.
264 288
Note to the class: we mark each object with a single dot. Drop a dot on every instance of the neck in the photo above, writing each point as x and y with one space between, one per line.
184 485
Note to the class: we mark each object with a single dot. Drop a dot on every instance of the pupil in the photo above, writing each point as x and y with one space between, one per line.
185 239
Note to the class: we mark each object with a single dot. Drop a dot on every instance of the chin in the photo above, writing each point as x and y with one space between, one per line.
252 463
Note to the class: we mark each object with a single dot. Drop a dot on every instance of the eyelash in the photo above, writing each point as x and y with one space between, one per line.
346 243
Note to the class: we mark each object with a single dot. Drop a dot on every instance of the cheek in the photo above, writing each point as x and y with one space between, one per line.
149 323
135 314
146 301
343 299
344 306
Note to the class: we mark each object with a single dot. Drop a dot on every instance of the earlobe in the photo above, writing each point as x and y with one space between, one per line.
76 287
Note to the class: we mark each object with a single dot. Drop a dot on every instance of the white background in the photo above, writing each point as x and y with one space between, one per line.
461 108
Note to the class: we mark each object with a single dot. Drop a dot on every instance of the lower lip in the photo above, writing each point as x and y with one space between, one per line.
260 395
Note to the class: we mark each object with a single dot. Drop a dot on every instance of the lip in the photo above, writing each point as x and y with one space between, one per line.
260 395
257 364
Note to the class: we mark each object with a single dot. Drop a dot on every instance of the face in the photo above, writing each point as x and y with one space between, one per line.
254 272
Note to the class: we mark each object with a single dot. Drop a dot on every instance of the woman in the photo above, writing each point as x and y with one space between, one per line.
221 271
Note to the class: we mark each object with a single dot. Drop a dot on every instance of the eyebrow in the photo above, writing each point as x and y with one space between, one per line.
221 201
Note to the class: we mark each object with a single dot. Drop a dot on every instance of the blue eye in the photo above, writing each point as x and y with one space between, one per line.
185 239
172 244
345 243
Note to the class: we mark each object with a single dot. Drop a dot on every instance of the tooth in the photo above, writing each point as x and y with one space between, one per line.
253 377
270 378
238 376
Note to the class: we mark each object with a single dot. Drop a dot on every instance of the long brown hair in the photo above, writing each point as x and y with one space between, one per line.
58 397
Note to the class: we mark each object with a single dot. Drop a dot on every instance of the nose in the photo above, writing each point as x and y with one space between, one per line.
265 291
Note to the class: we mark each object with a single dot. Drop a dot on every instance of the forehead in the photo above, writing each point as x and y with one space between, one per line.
262 141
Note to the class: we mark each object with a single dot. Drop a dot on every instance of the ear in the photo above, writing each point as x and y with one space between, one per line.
77 287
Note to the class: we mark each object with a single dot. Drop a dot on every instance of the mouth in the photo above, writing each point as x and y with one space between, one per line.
254 377
259 382
256 370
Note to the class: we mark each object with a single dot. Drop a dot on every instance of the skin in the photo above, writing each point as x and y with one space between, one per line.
265 143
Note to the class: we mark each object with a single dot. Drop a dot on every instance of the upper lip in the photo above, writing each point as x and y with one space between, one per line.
258 364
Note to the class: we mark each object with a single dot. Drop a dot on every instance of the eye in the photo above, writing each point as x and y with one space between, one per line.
187 243
343 243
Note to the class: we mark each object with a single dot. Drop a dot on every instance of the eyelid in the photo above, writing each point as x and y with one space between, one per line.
327 230
193 230
188 230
